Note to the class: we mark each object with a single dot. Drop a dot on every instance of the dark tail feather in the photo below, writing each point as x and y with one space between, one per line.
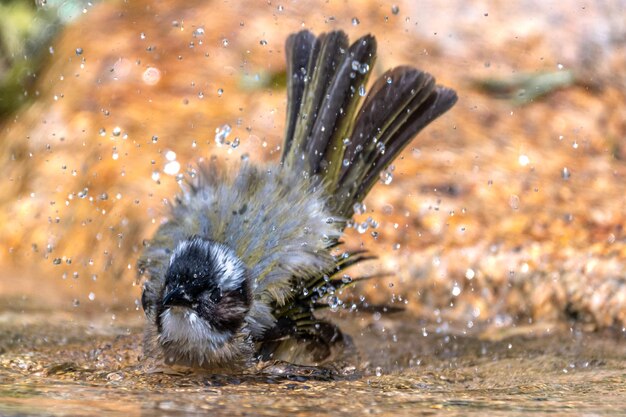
325 148
334 77
323 136
401 103
298 48
439 101
329 51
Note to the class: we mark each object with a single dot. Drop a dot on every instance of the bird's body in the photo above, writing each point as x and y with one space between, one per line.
246 259
276 241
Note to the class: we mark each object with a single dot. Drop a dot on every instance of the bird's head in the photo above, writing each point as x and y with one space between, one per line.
204 301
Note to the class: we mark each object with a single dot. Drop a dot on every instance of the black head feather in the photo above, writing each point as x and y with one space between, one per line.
207 278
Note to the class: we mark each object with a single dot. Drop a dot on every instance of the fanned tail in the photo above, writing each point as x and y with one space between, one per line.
346 149
327 137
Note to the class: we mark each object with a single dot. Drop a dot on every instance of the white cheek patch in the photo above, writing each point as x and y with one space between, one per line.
189 332
232 272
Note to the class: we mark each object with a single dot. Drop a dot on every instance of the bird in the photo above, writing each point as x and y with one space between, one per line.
249 254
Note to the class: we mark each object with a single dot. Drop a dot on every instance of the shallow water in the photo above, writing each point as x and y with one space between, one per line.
55 363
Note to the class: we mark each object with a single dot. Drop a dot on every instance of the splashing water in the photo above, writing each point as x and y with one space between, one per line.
221 133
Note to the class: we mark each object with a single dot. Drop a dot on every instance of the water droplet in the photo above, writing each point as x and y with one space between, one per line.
57 261
565 173
75 302
386 176
220 91
470 274
156 176
263 42
362 227
355 21
171 168
379 371
117 131
155 139
334 302
79 51
456 290
198 32
362 93
395 9
170 155
221 133
381 147
92 296
115 155
514 202
359 208
151 76
235 143
523 160
225 42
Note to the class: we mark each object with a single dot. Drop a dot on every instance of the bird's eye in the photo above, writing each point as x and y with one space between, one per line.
215 295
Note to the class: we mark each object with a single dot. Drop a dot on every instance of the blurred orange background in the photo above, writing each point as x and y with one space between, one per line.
498 211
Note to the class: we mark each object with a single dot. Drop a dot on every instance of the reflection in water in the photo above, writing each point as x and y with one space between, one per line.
53 365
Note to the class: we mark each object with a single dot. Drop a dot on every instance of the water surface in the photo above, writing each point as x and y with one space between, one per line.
55 363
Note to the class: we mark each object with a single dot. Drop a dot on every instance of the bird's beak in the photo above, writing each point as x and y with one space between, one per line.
176 297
